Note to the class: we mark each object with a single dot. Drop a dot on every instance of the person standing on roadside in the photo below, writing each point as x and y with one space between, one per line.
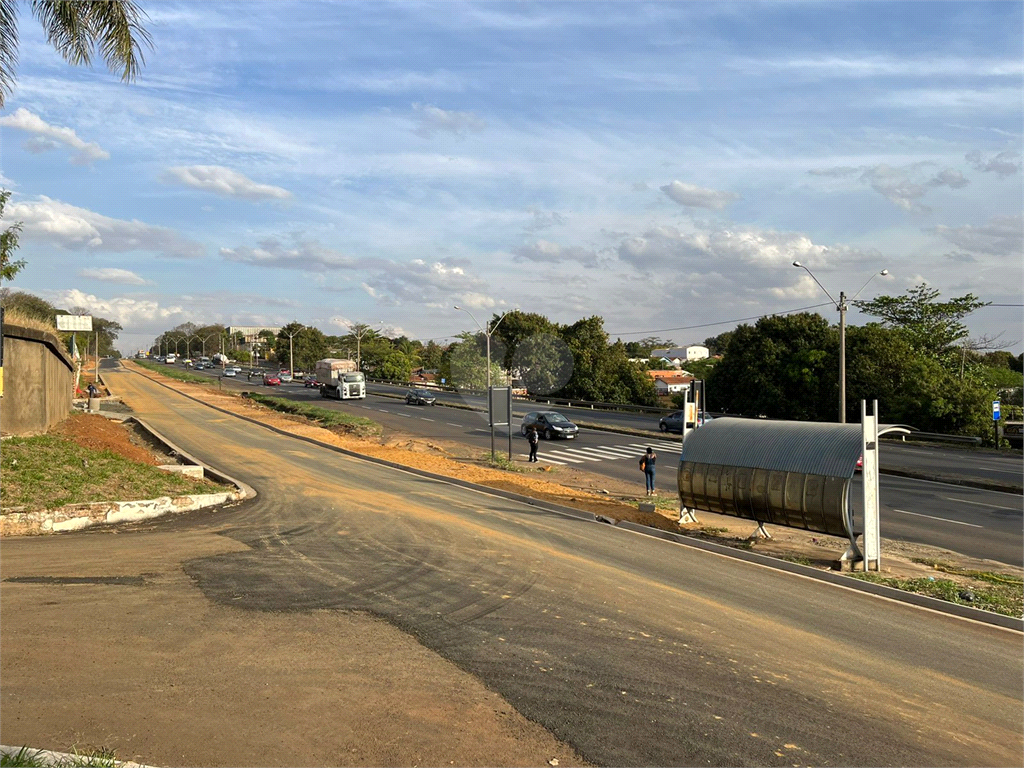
647 464
533 438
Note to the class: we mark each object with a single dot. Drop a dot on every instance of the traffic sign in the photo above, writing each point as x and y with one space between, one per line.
995 410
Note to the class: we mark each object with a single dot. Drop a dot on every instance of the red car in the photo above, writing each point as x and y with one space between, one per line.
860 464
310 381
271 380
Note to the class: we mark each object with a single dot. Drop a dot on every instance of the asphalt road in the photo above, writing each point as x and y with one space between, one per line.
978 523
632 650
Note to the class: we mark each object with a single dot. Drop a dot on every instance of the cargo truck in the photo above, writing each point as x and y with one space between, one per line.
338 378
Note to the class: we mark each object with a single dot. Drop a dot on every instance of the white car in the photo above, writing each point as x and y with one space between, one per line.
284 377
229 371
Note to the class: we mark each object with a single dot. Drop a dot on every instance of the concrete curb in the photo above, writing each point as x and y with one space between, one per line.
49 758
75 517
878 590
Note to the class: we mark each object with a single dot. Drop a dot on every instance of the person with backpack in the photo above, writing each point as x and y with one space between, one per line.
533 438
647 464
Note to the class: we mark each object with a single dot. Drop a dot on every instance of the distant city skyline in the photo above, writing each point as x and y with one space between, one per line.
658 164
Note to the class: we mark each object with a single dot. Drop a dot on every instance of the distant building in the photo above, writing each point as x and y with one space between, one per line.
682 354
670 385
251 333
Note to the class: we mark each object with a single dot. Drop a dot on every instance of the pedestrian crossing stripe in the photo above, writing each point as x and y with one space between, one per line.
597 453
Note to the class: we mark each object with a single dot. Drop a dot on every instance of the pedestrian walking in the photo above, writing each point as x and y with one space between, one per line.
93 392
647 464
533 438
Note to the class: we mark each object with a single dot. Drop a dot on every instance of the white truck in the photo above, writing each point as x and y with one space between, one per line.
338 378
220 359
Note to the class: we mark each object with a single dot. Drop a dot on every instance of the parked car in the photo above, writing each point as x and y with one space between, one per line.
271 380
229 371
673 422
550 424
420 397
310 381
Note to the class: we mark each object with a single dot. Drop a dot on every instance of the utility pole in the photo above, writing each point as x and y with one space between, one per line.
490 414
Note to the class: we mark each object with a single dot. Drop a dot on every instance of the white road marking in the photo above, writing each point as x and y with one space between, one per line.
424 418
982 504
552 461
576 455
452 424
596 452
943 519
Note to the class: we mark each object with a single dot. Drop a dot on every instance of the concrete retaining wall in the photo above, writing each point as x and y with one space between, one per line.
38 381
74 517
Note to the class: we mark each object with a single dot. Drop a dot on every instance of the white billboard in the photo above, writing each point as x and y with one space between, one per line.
74 322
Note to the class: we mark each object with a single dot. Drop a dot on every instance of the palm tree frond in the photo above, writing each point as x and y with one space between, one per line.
8 47
116 28
66 28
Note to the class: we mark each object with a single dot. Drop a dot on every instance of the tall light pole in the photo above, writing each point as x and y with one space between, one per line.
841 306
487 333
359 330
291 348
206 339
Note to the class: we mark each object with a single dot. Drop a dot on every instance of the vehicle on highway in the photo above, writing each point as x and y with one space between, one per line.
420 397
170 359
673 422
270 380
310 381
549 424
199 366
860 464
229 371
285 377
339 379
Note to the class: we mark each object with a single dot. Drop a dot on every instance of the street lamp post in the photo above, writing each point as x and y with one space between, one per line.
359 331
291 350
206 339
490 415
841 306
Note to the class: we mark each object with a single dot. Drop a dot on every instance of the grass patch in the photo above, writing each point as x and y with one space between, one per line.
992 578
501 461
174 373
325 417
31 758
1005 596
46 472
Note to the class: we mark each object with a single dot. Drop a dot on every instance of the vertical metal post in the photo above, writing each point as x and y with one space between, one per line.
869 479
842 357
490 405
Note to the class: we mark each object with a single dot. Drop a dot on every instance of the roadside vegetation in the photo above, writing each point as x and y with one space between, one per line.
996 592
354 425
48 471
33 758
172 372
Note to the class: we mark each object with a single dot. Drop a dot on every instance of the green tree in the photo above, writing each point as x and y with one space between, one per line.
933 327
465 366
29 305
783 367
9 242
431 356
516 328
77 30
718 344
307 345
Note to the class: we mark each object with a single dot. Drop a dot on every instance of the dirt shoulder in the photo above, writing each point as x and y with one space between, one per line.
598 494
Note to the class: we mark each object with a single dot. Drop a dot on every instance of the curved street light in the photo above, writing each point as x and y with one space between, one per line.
490 414
841 306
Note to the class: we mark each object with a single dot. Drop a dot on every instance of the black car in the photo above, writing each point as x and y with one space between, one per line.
550 424
420 397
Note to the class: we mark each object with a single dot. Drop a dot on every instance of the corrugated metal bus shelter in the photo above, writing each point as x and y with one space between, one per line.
791 473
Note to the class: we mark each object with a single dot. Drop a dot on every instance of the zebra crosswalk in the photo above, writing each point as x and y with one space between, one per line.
564 456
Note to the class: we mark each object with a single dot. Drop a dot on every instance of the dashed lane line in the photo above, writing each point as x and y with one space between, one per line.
943 519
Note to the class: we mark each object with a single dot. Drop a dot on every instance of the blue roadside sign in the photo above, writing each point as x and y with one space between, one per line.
995 410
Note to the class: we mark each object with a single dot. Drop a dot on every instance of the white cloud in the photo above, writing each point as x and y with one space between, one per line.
224 182
420 282
114 275
73 228
805 288
698 197
904 186
135 315
46 137
1005 163
433 119
307 255
1000 236
552 253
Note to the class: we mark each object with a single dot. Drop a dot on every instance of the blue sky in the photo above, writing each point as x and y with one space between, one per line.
661 165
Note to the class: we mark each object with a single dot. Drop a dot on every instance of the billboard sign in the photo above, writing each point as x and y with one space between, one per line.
74 322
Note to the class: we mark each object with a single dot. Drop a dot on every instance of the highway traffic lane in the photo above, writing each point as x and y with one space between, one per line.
974 522
634 650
